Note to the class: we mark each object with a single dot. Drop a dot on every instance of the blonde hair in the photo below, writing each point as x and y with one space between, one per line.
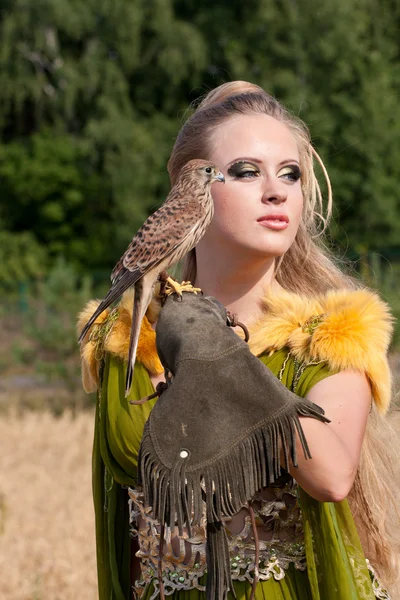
309 269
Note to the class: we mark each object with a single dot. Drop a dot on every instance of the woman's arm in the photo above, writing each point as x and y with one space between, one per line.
335 447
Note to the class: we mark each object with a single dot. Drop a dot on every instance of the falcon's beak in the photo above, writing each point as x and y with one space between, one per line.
219 177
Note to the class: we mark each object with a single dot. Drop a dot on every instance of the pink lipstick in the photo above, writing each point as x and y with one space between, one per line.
277 222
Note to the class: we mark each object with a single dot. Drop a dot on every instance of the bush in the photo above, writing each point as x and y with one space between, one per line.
377 272
40 330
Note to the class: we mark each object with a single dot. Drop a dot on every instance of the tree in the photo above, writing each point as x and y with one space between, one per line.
84 142
92 95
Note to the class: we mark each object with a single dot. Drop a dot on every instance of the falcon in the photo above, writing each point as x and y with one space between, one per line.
162 241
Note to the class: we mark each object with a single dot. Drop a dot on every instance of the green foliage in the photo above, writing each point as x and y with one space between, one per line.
88 109
92 95
23 353
54 306
38 339
50 325
377 272
21 259
47 183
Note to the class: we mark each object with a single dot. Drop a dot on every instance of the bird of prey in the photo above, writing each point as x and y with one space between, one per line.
163 240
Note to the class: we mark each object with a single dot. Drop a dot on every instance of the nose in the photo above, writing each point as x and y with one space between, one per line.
274 193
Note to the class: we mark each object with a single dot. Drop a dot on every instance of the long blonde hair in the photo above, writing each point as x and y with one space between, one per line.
308 268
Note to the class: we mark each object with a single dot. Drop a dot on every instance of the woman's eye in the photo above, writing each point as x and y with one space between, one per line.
290 172
243 170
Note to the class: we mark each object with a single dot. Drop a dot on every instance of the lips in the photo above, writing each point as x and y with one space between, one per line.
276 221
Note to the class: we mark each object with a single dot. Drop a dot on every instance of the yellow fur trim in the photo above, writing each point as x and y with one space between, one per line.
117 342
348 329
90 366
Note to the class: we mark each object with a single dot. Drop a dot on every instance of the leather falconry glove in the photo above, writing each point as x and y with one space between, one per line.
216 432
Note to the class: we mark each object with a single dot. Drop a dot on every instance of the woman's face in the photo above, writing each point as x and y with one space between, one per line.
259 208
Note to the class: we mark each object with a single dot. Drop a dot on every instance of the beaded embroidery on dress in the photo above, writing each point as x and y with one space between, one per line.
279 523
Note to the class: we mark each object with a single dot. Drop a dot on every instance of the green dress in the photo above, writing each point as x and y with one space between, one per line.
336 566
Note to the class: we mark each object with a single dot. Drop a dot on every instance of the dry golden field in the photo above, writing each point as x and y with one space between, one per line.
47 547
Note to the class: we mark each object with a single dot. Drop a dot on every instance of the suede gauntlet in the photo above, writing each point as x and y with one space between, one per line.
216 433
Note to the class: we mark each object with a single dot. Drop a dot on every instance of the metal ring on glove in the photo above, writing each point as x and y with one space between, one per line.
232 321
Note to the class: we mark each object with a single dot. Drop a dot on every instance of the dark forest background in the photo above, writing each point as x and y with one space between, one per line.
92 95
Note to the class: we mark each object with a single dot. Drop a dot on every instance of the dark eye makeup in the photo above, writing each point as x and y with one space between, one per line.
245 170
290 172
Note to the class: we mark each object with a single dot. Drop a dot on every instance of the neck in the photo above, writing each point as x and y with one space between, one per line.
239 285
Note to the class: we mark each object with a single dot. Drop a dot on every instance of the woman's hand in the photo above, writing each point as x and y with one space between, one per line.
335 447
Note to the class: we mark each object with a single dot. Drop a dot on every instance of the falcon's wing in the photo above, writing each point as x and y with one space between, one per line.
161 235
170 230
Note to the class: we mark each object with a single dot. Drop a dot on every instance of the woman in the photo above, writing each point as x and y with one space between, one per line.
321 336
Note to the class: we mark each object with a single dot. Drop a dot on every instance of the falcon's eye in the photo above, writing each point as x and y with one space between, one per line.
208 170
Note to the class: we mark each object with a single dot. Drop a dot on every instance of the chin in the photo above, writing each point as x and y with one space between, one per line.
271 250
273 244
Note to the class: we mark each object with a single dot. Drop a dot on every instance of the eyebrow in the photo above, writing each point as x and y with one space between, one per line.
258 161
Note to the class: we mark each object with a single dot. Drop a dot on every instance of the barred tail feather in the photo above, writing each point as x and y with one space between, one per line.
142 298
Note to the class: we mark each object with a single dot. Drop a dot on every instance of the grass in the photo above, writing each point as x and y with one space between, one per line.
47 548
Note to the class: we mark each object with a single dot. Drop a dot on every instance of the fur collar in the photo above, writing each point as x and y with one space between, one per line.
116 340
350 329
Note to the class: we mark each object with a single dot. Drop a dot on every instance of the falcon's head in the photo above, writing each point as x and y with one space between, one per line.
201 171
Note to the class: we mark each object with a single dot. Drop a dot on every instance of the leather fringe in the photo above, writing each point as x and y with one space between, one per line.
176 494
219 580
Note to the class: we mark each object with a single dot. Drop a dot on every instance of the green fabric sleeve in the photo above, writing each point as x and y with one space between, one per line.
312 375
118 431
297 377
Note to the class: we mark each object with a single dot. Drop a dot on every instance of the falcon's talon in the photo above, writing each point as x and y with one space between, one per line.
173 287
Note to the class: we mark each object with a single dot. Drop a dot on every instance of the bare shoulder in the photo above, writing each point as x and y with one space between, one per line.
346 387
346 398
